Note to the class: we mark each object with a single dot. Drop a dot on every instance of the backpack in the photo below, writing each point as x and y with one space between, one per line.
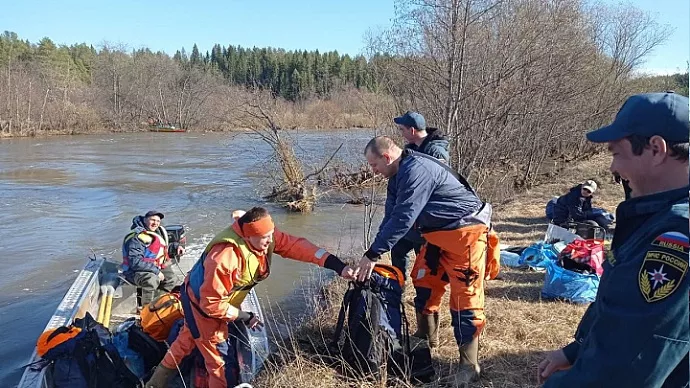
584 256
159 316
89 360
151 351
376 335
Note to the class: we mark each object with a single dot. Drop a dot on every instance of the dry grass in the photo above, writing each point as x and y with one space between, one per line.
520 326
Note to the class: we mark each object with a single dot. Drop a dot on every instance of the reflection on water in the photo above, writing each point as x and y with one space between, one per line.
63 198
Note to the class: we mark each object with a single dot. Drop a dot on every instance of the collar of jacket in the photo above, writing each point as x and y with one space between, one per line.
407 152
431 136
650 204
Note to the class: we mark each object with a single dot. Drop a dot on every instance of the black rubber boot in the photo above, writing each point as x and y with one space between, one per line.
469 369
160 377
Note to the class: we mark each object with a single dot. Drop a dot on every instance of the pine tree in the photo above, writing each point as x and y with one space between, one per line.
195 58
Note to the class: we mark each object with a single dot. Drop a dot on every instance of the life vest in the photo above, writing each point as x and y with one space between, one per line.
53 337
251 271
156 251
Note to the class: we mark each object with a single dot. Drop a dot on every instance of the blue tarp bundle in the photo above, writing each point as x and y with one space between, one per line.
538 255
564 284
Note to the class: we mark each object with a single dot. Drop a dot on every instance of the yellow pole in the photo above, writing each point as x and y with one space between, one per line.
108 307
101 306
110 291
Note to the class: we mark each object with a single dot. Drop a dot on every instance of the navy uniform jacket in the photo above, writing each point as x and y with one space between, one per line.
637 332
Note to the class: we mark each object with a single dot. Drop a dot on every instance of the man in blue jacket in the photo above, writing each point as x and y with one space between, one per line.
637 332
450 216
145 256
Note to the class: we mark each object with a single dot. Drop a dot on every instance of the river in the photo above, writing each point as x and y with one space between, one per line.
62 198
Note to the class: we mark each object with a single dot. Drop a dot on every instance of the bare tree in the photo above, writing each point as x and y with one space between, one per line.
514 83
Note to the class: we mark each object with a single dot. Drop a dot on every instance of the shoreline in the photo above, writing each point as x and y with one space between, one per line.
103 131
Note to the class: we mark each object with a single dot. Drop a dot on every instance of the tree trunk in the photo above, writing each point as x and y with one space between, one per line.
43 108
28 111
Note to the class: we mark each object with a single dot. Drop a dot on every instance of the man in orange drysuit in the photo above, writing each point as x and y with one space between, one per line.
441 204
233 262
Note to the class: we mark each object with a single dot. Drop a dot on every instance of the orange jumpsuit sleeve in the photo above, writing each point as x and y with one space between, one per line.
298 248
220 264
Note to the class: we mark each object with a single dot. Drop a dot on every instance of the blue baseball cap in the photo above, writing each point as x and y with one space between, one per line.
411 119
648 114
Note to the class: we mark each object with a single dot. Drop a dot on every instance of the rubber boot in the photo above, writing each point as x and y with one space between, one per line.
160 377
469 369
422 326
427 328
434 324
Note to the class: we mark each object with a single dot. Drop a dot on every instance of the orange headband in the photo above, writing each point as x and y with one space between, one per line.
260 227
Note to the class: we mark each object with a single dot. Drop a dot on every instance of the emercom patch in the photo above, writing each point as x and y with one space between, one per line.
664 266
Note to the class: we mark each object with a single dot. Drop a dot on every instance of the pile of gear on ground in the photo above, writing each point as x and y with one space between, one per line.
573 262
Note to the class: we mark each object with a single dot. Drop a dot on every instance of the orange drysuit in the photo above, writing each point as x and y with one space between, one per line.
429 196
216 286
460 260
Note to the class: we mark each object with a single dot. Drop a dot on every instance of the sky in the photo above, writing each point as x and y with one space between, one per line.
296 24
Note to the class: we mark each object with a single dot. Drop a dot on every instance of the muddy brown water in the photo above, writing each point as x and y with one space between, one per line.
63 198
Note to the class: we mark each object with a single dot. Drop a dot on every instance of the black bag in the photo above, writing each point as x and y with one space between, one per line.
90 360
150 350
377 334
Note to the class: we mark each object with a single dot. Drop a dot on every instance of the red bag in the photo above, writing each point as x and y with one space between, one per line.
583 255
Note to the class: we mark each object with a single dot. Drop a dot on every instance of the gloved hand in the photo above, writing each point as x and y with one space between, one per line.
250 320
332 262
343 270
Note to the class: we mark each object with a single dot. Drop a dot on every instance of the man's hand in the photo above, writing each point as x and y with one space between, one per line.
554 361
180 250
254 323
161 277
364 269
348 273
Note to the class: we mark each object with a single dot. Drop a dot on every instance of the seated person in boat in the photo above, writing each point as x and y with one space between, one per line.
237 259
145 256
576 206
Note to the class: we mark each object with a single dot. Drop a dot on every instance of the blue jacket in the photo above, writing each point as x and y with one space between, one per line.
434 144
572 205
637 332
426 193
135 250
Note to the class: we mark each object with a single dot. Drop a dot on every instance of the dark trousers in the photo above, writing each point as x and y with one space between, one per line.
400 253
150 283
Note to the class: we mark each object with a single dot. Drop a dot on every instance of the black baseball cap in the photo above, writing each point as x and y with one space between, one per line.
153 213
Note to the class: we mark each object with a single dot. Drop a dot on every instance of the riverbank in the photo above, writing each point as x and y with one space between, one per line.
520 326
103 131
248 111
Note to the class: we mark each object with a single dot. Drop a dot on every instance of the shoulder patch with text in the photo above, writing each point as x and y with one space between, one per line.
664 266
